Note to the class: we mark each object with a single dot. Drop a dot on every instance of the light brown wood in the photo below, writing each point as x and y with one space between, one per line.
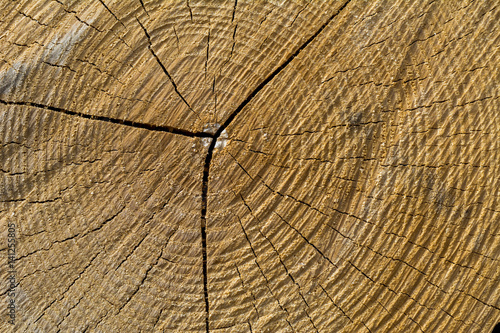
250 166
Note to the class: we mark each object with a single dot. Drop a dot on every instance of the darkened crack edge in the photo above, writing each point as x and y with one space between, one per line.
208 158
129 123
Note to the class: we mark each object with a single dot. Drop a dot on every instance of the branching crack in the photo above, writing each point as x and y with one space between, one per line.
232 116
208 158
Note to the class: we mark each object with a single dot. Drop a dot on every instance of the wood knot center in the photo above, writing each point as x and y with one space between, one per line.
222 139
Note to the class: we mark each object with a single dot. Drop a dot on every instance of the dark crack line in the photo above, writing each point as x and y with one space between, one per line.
205 273
190 11
129 123
208 54
208 158
234 10
109 11
150 47
144 7
271 76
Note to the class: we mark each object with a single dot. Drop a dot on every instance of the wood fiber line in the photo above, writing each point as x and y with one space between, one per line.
250 166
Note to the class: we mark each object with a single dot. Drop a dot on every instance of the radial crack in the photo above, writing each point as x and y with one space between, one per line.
109 10
208 158
151 127
190 10
144 7
234 10
150 47
278 70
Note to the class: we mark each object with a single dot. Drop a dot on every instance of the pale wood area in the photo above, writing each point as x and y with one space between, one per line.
250 166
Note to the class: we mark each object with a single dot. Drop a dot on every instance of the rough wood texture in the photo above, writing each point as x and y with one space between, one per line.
250 166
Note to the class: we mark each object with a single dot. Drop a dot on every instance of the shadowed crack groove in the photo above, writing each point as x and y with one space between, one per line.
129 123
190 11
109 11
234 10
144 8
208 158
150 47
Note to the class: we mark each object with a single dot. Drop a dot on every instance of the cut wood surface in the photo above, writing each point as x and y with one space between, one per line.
249 166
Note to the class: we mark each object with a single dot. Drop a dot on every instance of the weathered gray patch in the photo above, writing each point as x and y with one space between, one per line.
13 77
59 48
56 52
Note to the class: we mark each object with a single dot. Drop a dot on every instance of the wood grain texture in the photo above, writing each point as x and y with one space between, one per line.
250 166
